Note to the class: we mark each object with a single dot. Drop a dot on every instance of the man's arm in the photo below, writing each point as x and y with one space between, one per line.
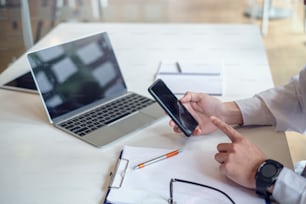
240 160
283 106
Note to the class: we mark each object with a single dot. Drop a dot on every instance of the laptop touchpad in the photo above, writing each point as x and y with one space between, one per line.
134 122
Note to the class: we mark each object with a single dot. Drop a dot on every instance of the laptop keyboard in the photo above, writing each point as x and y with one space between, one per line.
106 114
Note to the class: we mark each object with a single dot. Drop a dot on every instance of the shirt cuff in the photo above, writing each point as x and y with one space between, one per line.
289 187
255 112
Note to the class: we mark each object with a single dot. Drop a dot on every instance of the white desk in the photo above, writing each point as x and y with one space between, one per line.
40 164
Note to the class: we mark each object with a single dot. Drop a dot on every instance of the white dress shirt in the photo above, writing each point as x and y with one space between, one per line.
285 108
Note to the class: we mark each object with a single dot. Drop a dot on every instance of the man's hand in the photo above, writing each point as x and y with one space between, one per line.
202 106
239 159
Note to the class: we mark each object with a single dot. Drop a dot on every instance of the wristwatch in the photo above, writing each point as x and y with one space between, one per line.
266 176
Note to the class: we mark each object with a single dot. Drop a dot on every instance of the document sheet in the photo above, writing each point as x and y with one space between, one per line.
151 183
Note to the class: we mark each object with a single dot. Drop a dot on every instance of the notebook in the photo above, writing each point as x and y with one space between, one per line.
84 92
198 76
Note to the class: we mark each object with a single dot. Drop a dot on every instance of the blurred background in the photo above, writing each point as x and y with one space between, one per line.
25 22
284 38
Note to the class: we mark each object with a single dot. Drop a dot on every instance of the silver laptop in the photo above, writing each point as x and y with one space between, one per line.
84 92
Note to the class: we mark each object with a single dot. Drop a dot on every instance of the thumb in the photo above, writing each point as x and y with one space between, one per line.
226 129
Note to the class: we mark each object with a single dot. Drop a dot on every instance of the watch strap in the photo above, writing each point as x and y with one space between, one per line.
261 190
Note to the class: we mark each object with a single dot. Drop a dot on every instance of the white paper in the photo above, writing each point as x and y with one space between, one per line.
195 76
151 184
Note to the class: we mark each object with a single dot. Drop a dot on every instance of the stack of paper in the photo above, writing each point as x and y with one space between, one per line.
195 76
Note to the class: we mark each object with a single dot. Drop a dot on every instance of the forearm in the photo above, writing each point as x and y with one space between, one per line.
230 113
283 107
255 112
250 111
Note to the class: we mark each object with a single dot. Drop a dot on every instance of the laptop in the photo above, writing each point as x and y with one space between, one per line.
84 93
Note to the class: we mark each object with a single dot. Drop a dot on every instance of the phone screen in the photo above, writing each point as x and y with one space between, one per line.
174 108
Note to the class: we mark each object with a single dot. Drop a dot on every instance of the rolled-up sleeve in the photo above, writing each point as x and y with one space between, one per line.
283 106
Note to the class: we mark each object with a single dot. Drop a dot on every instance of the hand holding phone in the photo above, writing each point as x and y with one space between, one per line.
173 107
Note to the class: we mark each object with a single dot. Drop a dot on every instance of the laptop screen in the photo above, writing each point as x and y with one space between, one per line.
75 74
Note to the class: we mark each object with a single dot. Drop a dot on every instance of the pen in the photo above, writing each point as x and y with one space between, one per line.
178 66
162 157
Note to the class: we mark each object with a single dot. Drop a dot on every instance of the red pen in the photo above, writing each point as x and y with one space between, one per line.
162 157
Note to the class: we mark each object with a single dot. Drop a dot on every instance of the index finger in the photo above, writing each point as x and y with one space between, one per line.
228 130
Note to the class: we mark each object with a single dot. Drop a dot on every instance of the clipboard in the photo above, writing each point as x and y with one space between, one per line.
118 190
151 184
117 176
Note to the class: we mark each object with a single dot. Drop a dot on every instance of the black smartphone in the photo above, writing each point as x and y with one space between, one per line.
173 107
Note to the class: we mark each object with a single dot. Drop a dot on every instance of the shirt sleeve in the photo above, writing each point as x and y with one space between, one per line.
290 188
255 112
283 106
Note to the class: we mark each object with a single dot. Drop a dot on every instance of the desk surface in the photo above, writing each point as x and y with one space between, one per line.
41 164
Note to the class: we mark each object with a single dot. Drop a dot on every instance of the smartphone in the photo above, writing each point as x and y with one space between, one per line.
173 107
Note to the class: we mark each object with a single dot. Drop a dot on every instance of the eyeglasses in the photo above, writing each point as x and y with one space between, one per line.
171 200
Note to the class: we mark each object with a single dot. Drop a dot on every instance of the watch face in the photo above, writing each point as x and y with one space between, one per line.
269 170
266 176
